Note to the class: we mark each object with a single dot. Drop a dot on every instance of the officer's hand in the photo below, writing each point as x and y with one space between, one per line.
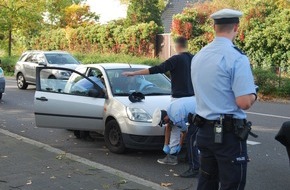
166 149
128 74
178 148
175 150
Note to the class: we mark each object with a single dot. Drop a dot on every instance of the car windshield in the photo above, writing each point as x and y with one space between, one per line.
60 58
156 84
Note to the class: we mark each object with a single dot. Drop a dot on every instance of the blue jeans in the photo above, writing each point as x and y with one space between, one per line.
192 150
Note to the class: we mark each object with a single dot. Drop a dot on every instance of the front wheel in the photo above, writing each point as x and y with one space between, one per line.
21 82
113 137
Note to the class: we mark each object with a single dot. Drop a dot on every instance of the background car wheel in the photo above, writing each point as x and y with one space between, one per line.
51 77
113 137
21 82
0 96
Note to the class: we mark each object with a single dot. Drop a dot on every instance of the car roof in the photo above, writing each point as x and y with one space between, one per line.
117 65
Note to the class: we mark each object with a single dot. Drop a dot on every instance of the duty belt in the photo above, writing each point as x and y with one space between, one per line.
240 127
228 122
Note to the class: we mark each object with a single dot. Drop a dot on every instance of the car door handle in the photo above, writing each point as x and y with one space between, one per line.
44 99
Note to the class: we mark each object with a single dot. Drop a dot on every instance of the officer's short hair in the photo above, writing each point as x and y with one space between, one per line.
181 41
224 27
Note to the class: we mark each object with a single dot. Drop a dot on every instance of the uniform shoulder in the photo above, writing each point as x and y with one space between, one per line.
239 50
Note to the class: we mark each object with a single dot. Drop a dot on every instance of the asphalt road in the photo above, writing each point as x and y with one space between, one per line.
268 169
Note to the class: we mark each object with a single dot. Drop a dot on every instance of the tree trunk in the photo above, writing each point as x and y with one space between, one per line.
9 42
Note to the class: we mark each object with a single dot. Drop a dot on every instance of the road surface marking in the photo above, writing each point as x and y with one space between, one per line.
268 115
10 86
253 143
85 161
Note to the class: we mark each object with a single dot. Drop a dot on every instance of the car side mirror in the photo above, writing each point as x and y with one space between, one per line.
94 93
42 64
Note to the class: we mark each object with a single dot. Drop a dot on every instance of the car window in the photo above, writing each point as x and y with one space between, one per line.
29 58
94 72
23 57
156 84
77 84
60 58
39 57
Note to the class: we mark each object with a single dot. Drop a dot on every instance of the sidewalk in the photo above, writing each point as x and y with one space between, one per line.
28 165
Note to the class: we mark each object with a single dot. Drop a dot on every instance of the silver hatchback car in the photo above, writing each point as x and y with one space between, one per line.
95 98
25 68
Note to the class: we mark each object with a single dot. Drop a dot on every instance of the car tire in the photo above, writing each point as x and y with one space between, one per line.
77 134
113 137
21 82
0 96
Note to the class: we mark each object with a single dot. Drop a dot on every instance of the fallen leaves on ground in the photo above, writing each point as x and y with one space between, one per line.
166 184
60 156
123 181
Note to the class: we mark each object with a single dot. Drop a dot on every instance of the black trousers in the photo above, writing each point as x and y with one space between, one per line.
192 150
223 166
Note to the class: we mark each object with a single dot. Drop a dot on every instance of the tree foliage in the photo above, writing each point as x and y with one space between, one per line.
21 16
265 33
264 29
71 13
77 15
143 11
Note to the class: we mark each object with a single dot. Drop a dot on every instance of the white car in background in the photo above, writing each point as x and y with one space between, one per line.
95 98
2 81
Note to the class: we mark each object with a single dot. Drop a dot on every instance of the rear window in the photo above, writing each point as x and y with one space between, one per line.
22 58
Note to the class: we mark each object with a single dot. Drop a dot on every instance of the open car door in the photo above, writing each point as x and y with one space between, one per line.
76 103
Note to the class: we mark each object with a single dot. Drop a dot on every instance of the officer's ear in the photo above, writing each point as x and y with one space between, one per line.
236 27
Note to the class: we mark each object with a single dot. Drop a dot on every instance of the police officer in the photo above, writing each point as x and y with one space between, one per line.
177 115
224 87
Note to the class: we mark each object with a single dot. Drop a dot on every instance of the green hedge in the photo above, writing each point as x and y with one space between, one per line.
271 84
113 37
115 58
8 63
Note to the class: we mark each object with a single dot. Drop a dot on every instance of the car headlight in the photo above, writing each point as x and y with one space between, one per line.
1 73
138 114
64 73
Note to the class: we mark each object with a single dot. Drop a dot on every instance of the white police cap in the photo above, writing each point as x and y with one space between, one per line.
226 16
158 117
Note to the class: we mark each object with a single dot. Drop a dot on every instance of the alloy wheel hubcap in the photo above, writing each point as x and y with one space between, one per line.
20 81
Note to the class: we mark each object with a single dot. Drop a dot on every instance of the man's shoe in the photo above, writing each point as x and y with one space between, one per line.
169 159
190 173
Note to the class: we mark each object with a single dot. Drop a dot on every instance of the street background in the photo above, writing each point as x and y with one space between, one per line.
268 168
